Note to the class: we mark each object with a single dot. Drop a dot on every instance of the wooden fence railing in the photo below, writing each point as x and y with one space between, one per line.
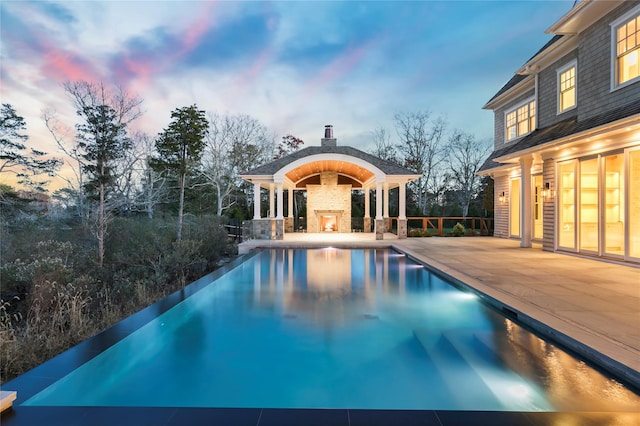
440 225
235 233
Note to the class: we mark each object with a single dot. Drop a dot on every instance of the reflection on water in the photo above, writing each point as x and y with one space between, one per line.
331 328
567 381
318 284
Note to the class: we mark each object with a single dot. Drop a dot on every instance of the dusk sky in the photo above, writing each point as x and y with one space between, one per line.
295 66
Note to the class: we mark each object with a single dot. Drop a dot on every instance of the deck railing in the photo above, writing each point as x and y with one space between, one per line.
441 225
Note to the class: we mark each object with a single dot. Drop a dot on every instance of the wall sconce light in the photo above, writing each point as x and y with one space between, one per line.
547 192
502 197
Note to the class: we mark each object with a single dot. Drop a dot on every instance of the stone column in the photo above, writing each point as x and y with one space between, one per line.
526 222
288 221
402 210
256 200
379 218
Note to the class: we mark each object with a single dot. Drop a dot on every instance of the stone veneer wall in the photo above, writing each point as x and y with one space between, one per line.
328 196
263 229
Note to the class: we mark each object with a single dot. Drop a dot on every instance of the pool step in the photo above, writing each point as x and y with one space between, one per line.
463 383
511 389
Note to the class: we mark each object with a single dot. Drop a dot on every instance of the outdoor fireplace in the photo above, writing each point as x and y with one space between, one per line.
329 220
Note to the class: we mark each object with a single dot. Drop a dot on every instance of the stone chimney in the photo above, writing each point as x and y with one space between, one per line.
328 139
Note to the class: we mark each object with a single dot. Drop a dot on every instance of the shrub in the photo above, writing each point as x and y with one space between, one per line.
458 230
58 296
418 232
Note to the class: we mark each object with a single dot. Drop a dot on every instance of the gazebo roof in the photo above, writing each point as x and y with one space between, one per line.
353 165
385 166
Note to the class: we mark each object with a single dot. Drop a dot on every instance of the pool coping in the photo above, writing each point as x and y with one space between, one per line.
35 380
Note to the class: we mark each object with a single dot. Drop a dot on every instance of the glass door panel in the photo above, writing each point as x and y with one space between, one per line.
566 209
614 204
514 208
633 226
589 205
537 207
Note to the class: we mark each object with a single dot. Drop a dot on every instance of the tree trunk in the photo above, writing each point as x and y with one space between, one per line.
101 227
219 209
181 206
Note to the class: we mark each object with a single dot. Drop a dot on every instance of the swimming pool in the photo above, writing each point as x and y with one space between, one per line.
329 328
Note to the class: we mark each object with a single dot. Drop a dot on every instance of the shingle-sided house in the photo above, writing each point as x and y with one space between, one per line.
566 159
327 173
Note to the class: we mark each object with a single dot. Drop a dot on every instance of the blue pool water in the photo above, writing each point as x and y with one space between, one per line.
328 328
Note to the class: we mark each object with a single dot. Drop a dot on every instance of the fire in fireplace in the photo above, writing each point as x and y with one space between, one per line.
328 223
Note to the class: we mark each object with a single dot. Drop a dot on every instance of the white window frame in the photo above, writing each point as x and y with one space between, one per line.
614 49
573 64
515 109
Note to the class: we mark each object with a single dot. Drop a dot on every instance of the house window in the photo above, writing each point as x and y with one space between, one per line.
521 120
567 88
626 38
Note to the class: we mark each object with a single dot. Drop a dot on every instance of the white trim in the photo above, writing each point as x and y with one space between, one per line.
559 71
536 96
614 49
515 109
519 89
584 14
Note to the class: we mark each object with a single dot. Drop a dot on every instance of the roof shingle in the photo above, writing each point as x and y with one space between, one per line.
560 130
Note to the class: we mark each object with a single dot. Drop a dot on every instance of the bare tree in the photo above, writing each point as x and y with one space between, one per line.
100 142
383 147
74 193
466 155
236 143
421 146
153 183
129 173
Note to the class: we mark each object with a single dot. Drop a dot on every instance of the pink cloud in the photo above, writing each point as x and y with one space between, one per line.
63 65
138 73
337 69
199 28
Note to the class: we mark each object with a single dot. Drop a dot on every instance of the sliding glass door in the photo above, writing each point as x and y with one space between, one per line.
599 206
614 204
633 208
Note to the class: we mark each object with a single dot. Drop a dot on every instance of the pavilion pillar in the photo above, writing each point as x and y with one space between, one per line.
261 228
367 214
526 222
279 213
256 200
402 213
288 221
280 204
271 201
379 218
387 224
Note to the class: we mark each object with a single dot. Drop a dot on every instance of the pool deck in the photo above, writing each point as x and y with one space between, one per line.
591 306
